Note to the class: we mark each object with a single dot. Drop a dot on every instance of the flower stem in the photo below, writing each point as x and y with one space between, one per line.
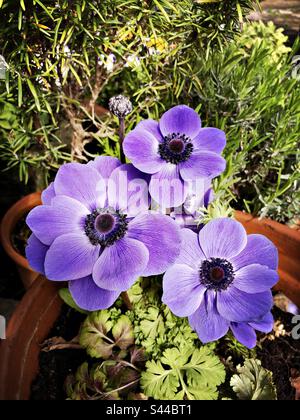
121 139
124 295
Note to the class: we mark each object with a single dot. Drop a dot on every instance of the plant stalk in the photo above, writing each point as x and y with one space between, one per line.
124 295
121 139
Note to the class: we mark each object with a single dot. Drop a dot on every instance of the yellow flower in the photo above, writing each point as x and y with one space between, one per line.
157 44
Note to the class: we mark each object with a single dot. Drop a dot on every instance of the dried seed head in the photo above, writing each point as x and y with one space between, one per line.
120 106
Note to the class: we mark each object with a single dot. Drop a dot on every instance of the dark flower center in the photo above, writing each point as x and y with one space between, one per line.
176 148
216 274
105 223
105 226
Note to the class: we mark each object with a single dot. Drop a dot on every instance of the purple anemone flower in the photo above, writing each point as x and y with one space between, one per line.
95 231
221 278
200 195
175 150
245 332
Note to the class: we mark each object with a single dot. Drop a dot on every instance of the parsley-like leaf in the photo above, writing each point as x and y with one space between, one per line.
253 382
193 374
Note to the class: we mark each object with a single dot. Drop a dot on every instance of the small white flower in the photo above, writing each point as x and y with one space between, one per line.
67 51
133 61
107 62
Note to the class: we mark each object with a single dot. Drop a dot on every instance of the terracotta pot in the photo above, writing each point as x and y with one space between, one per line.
287 241
29 326
9 221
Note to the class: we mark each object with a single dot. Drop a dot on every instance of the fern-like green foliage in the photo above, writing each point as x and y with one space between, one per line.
192 374
177 367
253 382
155 327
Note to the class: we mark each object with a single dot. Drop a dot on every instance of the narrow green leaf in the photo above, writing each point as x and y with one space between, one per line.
34 94
20 91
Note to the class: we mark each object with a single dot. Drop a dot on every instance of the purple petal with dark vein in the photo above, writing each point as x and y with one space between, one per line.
180 119
244 334
65 215
167 188
105 165
265 324
120 265
141 147
255 278
202 165
88 296
161 235
152 127
210 139
238 306
222 238
190 252
259 250
48 194
83 183
207 322
209 197
36 253
70 257
182 292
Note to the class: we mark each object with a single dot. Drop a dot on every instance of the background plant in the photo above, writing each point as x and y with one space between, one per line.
252 95
67 57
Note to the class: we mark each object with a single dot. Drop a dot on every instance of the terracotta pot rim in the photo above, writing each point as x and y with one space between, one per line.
274 225
287 241
9 221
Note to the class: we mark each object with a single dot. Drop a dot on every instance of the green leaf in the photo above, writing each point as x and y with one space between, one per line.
5 124
93 335
192 373
82 373
20 91
34 94
22 3
207 365
66 296
208 1
123 333
102 333
153 325
158 382
253 382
